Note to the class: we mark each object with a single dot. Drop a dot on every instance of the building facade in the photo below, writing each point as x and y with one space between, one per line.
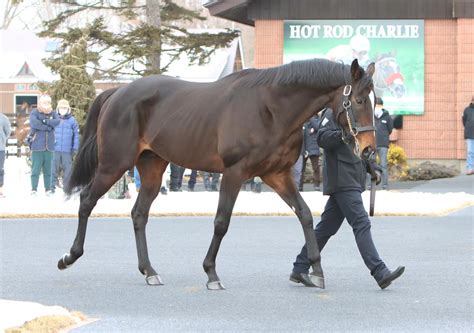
437 134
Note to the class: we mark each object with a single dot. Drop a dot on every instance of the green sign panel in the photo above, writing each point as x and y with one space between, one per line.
395 46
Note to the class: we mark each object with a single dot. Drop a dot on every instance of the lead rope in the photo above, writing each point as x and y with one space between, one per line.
347 104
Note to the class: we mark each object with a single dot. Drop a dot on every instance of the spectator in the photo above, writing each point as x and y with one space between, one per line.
211 181
384 125
43 120
5 131
255 185
192 180
67 143
312 152
176 177
468 122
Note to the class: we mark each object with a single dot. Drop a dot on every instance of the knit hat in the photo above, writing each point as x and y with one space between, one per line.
62 103
44 104
63 107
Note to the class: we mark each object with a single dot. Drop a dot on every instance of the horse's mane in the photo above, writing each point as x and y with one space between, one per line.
318 73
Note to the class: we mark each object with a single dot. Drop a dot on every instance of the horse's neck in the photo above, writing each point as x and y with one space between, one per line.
293 108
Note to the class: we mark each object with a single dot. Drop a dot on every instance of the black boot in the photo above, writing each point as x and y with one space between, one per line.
302 278
390 276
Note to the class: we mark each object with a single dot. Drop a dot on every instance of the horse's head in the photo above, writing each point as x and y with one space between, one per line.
355 112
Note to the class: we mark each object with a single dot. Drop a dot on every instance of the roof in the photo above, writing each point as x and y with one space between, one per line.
220 64
18 48
248 11
233 10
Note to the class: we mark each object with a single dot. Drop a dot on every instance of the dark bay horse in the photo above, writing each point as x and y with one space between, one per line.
244 125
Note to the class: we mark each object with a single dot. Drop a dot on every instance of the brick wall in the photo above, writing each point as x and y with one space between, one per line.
268 43
449 84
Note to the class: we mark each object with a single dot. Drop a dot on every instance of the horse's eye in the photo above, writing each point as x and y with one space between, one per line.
360 100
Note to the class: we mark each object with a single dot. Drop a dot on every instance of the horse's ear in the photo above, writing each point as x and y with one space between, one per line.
356 71
371 69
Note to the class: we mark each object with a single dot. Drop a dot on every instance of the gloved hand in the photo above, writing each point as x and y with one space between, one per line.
376 172
346 137
378 177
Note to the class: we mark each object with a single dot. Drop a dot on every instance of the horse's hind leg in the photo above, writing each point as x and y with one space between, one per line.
102 182
230 186
284 185
151 169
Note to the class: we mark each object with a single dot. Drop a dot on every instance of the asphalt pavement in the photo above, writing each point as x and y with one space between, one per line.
435 293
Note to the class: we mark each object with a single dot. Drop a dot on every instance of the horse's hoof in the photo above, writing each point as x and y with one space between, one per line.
318 281
154 280
62 262
215 285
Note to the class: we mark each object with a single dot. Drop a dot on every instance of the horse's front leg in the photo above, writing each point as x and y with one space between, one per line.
284 185
230 186
151 169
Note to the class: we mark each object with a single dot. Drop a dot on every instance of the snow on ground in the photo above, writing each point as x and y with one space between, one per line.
19 203
21 312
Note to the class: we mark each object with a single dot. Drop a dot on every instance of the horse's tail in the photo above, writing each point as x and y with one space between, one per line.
86 161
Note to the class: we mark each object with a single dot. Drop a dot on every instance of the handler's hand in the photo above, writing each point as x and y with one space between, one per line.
378 177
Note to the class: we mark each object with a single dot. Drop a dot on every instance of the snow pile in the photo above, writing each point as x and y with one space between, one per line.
18 201
21 312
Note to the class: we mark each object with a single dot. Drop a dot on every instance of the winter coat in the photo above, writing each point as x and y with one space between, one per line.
468 122
342 169
5 131
67 135
310 141
384 126
42 130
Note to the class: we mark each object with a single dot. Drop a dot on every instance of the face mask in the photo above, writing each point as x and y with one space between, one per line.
63 111
378 112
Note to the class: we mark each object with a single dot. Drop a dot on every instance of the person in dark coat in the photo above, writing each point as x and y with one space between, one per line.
311 151
384 125
176 177
43 120
468 122
344 176
67 143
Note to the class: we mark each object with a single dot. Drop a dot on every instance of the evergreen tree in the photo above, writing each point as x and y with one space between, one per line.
75 84
154 28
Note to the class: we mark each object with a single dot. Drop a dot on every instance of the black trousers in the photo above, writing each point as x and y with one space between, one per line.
349 205
176 176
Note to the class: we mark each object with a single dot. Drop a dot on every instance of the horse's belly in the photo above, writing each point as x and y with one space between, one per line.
189 151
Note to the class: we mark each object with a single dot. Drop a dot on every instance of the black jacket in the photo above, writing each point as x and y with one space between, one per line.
384 126
310 141
342 169
468 122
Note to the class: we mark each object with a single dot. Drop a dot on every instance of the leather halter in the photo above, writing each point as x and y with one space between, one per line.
354 126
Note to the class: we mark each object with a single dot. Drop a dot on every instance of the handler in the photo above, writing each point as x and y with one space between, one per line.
344 176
